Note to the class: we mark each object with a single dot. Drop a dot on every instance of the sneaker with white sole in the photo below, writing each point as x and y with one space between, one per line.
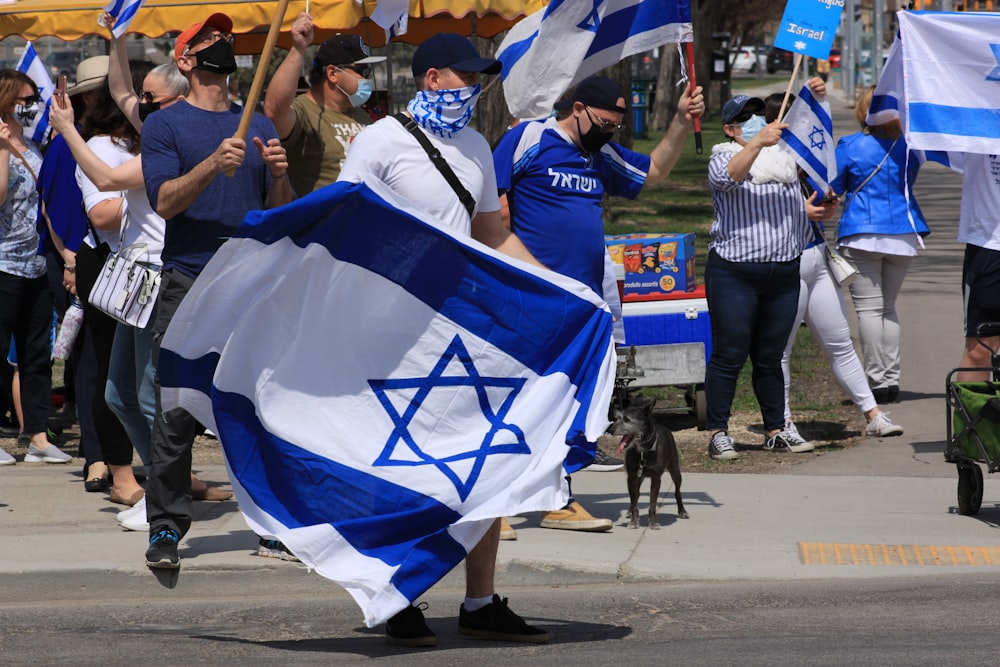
50 454
6 459
791 435
780 442
880 426
268 548
605 463
720 447
134 518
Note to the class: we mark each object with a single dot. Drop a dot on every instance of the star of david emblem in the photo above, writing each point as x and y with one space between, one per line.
437 406
816 139
593 20
800 46
994 75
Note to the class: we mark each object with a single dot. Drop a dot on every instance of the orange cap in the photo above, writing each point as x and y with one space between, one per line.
219 21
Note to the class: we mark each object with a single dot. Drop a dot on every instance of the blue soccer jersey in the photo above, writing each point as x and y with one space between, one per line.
555 190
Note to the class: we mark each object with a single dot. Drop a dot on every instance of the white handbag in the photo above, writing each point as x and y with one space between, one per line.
127 286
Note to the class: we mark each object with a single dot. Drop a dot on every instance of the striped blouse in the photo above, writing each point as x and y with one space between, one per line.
755 222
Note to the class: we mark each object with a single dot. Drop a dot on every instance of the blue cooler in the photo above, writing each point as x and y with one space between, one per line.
669 321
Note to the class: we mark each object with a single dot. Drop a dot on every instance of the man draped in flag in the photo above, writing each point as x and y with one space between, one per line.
421 384
556 47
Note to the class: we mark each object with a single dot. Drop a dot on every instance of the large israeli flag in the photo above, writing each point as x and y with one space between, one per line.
383 389
809 137
556 47
951 81
123 11
33 66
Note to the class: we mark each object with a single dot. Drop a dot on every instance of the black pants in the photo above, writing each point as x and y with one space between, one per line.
168 488
106 439
26 314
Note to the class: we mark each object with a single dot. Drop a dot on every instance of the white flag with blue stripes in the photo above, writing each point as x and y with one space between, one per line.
33 66
392 16
383 389
551 50
809 136
123 11
951 81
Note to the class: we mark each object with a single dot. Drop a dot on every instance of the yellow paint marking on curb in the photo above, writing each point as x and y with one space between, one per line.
830 553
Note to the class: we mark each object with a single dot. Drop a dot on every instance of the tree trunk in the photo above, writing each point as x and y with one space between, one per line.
663 105
492 117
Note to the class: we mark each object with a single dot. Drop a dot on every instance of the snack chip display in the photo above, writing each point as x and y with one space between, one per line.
655 265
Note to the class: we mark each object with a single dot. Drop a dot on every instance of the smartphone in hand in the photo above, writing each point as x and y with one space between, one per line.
60 89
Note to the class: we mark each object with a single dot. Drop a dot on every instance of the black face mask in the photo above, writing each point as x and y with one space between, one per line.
593 139
218 58
146 108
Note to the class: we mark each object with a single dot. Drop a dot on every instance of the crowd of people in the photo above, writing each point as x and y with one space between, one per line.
149 155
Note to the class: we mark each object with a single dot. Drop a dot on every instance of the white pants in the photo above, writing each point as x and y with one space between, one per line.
874 294
822 306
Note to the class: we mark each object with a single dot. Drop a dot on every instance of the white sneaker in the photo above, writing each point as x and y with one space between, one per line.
50 454
138 508
6 459
136 517
880 426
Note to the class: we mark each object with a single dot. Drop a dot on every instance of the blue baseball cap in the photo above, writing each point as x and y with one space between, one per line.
446 49
735 106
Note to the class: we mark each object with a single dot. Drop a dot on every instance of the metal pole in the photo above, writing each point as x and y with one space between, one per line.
878 28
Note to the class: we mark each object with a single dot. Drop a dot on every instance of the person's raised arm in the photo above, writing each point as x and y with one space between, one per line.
740 164
106 178
280 192
664 156
120 77
285 81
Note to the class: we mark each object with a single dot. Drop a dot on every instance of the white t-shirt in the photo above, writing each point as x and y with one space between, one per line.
980 221
144 225
388 152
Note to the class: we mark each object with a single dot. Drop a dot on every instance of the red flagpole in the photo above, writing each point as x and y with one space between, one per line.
689 46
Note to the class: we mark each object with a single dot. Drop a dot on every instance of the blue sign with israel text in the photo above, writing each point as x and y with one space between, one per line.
808 27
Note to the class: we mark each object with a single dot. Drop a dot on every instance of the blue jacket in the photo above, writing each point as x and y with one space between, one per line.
879 207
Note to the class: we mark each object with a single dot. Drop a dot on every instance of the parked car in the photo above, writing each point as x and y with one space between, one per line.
779 59
834 59
748 59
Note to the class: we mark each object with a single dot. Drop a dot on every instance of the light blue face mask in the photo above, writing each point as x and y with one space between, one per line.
752 127
361 95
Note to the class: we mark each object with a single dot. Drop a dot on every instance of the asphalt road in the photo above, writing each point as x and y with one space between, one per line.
289 620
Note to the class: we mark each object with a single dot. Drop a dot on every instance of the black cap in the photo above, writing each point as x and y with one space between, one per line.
599 92
344 50
446 49
735 106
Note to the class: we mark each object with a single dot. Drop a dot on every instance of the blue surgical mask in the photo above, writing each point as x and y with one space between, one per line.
444 112
752 127
361 95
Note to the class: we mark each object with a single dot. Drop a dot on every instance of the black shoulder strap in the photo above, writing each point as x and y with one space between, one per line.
442 165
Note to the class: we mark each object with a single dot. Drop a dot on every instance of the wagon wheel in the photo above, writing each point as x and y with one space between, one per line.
970 489
700 406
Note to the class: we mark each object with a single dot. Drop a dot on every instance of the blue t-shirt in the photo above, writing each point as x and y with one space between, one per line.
555 190
174 141
61 196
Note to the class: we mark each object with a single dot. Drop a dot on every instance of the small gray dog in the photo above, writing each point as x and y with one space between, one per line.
650 450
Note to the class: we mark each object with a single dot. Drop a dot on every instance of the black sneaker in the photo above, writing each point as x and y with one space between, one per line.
496 621
605 463
408 628
162 551
275 549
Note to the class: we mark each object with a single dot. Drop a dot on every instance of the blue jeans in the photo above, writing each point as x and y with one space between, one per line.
130 390
753 307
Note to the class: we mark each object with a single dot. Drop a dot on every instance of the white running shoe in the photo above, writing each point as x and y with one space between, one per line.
50 454
880 426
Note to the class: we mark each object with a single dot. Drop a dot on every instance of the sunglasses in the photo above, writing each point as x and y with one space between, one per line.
607 126
364 71
28 101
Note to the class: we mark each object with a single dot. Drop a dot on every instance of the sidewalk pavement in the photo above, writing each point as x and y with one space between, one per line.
896 494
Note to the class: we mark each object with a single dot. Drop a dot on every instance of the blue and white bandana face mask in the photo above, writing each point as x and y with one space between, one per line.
444 112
